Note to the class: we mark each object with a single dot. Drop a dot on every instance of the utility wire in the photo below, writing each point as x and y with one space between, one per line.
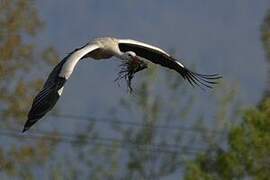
106 142
113 121
130 123
112 142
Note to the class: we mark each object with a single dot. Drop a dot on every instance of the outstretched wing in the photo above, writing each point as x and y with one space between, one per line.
53 87
159 56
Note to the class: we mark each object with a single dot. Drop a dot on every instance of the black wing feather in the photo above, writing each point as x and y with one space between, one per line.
47 97
163 59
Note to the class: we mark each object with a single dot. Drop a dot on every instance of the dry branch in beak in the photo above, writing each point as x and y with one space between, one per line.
129 68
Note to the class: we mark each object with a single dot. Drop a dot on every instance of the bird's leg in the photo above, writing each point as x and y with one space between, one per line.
129 68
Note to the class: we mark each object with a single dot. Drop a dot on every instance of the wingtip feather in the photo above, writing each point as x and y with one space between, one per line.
201 80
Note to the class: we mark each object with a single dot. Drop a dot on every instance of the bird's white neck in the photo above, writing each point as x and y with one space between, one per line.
121 56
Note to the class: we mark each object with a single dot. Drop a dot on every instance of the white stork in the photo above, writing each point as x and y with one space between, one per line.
131 52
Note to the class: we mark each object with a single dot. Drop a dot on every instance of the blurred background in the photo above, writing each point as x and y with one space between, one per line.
164 130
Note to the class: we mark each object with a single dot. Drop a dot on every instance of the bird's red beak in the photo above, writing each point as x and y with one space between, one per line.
136 59
138 64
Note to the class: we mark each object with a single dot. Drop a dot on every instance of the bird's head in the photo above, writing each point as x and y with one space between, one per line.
133 62
129 55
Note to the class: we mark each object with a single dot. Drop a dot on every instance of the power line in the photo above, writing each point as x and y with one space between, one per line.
106 142
113 121
112 142
70 139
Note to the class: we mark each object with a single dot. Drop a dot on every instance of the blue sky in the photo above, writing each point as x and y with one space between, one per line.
216 36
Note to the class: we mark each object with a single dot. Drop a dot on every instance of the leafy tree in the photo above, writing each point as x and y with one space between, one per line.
19 20
247 154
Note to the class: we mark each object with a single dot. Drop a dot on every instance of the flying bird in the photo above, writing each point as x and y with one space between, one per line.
133 55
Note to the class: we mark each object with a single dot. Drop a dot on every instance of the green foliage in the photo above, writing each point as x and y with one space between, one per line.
19 20
247 154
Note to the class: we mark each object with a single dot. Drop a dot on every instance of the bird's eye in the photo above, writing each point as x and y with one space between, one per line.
129 55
